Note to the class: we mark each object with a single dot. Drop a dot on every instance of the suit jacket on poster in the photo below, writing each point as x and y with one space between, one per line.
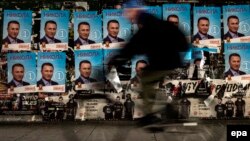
230 73
108 40
197 35
42 83
228 35
78 41
7 40
12 83
46 41
79 79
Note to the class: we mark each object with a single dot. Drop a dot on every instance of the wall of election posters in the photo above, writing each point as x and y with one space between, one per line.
70 79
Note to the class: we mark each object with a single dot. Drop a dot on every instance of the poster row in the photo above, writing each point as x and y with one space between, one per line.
89 27
175 99
30 72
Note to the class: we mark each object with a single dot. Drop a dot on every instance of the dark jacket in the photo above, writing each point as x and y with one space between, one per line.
229 35
231 73
79 79
6 40
197 35
151 40
46 41
42 83
12 83
78 41
108 40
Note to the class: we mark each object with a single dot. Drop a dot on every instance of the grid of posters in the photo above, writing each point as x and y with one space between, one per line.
213 84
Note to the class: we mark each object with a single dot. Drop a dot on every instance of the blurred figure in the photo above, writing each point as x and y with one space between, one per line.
220 109
129 106
108 111
60 109
185 105
136 80
229 108
193 70
152 37
71 108
118 108
240 107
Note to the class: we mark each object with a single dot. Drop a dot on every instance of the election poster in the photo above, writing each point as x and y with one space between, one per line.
179 14
236 52
115 19
87 30
206 31
236 23
22 72
54 30
51 73
17 30
88 69
154 10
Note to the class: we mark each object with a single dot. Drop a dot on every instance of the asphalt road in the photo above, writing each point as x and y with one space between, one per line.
115 131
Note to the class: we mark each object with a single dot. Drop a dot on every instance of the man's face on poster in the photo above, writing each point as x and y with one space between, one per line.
113 29
84 31
234 63
50 30
47 72
203 26
233 25
174 20
13 30
18 73
85 70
